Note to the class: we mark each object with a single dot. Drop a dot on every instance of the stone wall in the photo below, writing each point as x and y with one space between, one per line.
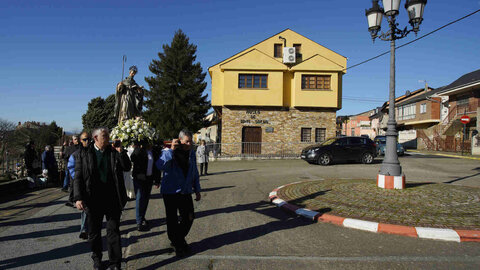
281 127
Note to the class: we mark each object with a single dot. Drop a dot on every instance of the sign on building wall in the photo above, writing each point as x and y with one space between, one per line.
253 117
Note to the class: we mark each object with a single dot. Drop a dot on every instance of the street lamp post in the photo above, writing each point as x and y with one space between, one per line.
390 175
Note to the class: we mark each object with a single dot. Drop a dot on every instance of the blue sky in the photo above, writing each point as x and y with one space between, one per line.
58 55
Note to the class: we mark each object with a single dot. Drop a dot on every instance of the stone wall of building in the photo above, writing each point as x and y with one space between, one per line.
281 127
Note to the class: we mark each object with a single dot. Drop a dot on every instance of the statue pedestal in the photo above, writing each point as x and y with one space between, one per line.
127 178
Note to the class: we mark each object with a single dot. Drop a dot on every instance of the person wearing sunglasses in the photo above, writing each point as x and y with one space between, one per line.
84 141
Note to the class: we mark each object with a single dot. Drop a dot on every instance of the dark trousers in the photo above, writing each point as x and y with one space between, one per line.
66 180
182 203
96 212
70 190
201 167
142 196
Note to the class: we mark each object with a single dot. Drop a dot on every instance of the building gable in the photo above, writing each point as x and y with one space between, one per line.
253 60
308 50
316 61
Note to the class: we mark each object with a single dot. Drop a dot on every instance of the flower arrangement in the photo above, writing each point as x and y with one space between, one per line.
132 130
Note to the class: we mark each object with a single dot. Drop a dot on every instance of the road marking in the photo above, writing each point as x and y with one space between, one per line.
332 259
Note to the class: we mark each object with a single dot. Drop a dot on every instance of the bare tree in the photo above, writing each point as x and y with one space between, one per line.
6 130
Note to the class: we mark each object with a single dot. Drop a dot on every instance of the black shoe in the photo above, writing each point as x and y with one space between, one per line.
145 225
69 204
83 235
186 249
64 189
180 253
97 264
142 227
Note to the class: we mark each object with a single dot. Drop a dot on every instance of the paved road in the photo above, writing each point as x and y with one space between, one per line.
237 228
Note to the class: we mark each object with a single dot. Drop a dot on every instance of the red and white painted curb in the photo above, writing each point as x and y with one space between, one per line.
391 182
419 232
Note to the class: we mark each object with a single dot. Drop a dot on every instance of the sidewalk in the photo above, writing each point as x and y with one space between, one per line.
445 154
360 203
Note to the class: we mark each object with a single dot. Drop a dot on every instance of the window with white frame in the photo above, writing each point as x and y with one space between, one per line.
406 112
423 108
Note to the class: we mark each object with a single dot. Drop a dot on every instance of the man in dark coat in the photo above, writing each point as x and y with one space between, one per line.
99 189
30 156
144 175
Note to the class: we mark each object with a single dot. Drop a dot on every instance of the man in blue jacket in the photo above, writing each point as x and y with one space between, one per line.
85 140
180 180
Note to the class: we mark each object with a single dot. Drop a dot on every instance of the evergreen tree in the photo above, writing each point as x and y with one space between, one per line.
100 113
176 100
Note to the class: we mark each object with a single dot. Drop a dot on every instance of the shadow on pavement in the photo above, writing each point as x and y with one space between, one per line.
54 254
283 222
215 188
54 218
461 178
45 233
235 171
41 205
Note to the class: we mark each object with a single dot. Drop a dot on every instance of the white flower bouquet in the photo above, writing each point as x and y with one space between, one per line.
133 130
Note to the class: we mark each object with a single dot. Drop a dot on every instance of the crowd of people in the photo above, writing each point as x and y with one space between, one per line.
94 177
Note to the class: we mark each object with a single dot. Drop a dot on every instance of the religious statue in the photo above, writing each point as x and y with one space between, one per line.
128 98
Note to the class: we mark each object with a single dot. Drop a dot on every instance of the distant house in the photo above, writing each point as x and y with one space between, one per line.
407 137
418 116
375 119
358 125
463 97
31 124
209 133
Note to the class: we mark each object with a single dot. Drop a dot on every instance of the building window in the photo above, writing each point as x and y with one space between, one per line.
316 82
462 101
252 80
353 132
320 134
423 108
406 112
298 52
277 50
306 135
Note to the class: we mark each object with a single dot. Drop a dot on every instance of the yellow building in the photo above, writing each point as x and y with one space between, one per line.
283 90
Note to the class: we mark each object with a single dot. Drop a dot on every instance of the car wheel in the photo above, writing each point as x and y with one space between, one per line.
324 159
367 158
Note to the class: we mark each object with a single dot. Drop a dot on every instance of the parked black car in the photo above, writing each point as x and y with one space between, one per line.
341 149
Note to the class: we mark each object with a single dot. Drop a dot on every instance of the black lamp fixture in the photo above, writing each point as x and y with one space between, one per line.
390 9
415 10
374 17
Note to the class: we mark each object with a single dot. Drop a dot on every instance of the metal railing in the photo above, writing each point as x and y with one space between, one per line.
254 150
